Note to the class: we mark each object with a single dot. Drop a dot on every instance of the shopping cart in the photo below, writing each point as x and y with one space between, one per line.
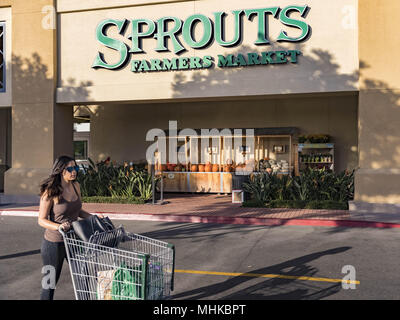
118 265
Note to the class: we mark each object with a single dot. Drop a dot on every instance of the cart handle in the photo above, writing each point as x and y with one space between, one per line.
61 230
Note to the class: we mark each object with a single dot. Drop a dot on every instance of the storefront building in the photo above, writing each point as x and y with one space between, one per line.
317 67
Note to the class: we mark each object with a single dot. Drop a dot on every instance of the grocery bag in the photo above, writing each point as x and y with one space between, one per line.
104 282
127 282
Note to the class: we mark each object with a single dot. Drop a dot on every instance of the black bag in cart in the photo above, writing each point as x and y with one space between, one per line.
85 228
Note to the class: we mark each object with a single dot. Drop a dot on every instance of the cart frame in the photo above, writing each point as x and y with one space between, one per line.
118 265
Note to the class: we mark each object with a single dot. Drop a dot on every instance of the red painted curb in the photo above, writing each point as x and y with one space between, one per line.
264 221
249 220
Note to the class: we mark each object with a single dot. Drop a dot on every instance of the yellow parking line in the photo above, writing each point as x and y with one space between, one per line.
260 275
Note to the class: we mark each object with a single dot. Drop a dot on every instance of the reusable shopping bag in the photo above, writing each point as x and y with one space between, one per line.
127 283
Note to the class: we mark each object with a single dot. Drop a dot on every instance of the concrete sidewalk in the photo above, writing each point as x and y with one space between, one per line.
211 208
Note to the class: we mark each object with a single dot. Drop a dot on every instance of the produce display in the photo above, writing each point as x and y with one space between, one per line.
273 166
315 158
264 165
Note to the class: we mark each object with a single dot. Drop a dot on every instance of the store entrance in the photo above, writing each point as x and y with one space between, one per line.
5 143
210 164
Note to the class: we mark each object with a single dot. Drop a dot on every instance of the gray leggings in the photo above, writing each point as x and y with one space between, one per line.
53 254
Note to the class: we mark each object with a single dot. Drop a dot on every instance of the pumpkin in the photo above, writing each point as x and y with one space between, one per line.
208 167
228 168
215 168
201 167
194 168
163 167
170 166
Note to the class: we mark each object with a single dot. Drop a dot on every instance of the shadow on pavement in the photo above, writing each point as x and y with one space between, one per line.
274 288
21 254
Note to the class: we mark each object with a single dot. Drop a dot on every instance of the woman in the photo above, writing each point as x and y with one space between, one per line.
60 205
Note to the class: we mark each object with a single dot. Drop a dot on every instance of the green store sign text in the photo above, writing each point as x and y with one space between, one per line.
176 30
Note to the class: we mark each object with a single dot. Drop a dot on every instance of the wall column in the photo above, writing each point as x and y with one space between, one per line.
41 129
377 186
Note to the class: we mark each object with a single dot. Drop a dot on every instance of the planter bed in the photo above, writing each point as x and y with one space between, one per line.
112 200
298 204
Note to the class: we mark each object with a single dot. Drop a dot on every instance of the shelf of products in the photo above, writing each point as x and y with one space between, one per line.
316 155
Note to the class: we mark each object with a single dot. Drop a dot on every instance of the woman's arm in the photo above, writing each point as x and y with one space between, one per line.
83 214
44 211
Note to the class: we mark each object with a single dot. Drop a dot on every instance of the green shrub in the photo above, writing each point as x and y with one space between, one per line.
253 203
106 179
112 200
298 204
291 204
327 204
318 185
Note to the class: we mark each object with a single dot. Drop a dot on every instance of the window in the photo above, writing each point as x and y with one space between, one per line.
80 150
2 57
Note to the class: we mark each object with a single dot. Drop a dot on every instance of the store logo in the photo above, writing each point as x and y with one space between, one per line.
181 35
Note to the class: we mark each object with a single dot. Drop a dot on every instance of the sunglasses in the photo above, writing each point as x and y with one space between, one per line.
70 169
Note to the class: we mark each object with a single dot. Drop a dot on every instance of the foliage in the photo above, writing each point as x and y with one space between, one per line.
319 186
107 179
112 200
314 138
253 203
299 204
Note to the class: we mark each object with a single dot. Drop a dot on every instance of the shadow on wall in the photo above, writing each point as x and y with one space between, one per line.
36 119
321 73
32 75
319 68
382 112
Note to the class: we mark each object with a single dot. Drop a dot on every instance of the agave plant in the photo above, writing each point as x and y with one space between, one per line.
261 187
144 185
301 188
107 179
311 185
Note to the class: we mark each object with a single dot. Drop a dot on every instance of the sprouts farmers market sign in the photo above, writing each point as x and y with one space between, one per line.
176 30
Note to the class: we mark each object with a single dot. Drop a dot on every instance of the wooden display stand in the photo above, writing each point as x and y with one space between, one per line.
184 180
208 182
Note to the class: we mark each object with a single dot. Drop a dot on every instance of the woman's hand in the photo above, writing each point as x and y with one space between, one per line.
65 226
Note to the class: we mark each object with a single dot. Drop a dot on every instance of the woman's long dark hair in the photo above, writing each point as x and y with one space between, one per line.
52 185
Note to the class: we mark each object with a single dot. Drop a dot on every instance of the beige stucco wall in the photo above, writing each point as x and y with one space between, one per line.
329 62
377 181
120 131
41 130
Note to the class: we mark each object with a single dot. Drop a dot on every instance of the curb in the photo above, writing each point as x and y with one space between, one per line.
227 220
